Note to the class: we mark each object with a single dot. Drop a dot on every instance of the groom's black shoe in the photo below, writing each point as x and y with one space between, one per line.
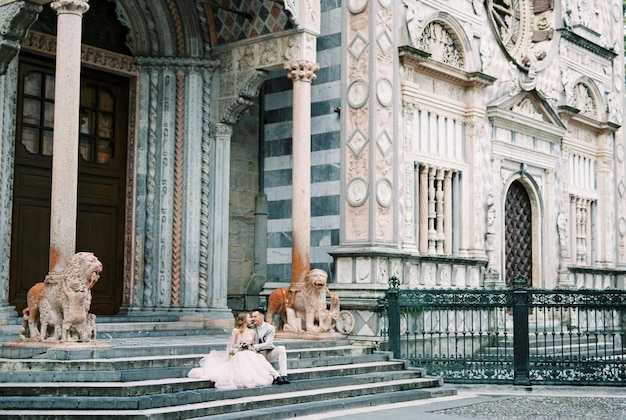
278 380
285 380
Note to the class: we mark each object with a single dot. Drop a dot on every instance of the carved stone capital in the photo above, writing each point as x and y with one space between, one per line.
70 6
302 70
221 130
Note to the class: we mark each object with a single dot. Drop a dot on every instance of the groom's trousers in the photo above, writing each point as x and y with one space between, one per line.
278 353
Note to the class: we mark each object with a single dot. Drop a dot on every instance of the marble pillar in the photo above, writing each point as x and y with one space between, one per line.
217 265
64 197
302 73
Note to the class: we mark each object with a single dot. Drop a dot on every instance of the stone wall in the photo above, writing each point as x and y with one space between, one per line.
244 187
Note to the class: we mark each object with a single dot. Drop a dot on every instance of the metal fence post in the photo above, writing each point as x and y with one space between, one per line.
520 330
394 317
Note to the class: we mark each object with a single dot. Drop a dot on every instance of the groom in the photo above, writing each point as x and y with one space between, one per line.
265 344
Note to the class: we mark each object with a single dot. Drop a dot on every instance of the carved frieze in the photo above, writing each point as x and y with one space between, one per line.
96 57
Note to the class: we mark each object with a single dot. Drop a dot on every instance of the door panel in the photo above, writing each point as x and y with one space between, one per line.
101 181
29 259
518 234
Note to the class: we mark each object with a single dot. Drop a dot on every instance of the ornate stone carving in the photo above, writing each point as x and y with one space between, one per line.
61 303
302 70
526 107
415 15
357 191
525 29
15 19
562 224
613 108
70 6
443 45
583 100
302 307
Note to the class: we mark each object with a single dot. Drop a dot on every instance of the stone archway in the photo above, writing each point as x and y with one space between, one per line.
518 233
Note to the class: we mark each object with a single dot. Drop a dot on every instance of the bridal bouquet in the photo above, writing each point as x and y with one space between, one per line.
241 347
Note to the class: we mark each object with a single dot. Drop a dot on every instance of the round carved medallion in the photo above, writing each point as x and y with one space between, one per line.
525 29
357 191
345 322
358 93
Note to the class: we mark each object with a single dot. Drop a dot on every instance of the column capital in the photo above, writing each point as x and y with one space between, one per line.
302 70
70 6
221 129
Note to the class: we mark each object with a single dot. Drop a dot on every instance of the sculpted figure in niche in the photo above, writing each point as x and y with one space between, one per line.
561 226
303 308
58 307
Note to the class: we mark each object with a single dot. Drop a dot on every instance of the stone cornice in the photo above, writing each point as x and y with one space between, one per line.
587 44
515 121
411 56
573 116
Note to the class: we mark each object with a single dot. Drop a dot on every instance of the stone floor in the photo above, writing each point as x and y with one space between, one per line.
503 402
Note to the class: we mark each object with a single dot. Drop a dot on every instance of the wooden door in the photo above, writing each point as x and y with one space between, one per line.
518 234
101 182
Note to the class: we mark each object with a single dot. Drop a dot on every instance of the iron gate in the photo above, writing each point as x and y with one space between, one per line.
520 335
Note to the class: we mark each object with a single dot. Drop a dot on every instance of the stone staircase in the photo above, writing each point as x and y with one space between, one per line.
138 370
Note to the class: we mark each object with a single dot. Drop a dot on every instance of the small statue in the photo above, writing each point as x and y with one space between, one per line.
305 304
61 303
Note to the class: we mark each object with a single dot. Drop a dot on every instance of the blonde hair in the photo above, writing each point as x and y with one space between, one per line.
240 323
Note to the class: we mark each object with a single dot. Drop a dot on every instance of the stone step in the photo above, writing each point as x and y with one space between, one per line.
327 406
296 358
197 344
137 368
179 372
190 404
150 387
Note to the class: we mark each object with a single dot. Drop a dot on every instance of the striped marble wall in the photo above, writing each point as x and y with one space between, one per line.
325 154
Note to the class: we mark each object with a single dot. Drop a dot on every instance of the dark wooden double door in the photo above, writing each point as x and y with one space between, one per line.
101 187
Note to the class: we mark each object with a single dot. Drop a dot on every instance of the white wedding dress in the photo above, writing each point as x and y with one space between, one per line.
236 367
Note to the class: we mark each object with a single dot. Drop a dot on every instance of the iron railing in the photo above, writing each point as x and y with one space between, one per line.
519 335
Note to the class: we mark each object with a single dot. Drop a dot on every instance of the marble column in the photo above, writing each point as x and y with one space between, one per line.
447 212
64 197
302 73
218 205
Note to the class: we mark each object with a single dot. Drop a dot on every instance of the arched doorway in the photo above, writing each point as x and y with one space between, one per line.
518 233
103 141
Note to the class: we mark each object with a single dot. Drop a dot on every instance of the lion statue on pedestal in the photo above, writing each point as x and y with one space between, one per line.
302 307
61 303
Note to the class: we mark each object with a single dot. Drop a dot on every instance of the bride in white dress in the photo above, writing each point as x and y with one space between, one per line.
240 366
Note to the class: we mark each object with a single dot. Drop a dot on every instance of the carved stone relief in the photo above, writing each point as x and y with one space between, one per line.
363 270
583 101
442 44
525 30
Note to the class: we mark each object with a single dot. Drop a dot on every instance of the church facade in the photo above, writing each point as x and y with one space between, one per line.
225 145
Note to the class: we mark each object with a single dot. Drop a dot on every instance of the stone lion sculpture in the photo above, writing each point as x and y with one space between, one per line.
305 305
58 307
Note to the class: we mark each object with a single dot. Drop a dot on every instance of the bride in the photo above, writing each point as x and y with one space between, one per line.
240 366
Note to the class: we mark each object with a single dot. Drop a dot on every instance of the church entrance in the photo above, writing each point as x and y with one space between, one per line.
101 187
518 234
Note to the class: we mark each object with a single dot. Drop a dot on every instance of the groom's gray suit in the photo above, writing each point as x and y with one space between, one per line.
265 345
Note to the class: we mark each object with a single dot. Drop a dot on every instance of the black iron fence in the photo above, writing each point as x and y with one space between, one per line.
520 335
